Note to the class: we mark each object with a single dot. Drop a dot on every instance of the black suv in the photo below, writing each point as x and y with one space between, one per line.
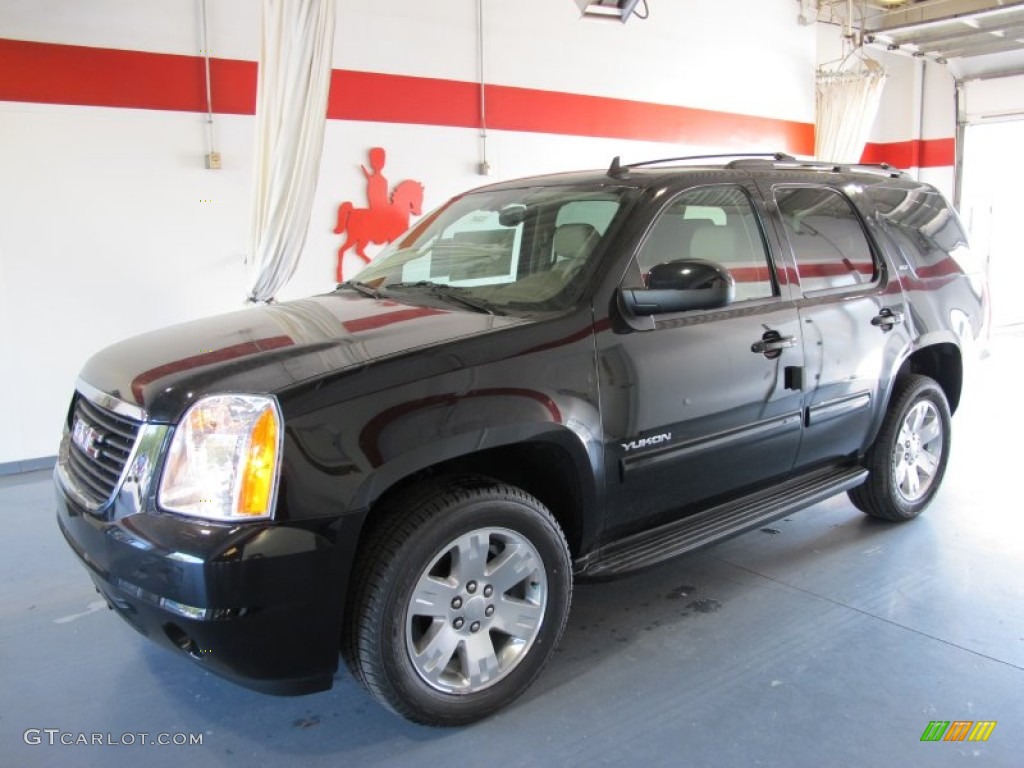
580 374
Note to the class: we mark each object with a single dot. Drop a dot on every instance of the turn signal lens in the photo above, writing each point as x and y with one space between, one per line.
260 465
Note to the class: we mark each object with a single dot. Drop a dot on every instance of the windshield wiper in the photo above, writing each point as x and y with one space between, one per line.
449 293
362 288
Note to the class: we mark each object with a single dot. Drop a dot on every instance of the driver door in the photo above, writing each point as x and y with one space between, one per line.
706 403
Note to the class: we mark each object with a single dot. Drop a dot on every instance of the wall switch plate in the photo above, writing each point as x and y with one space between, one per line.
213 161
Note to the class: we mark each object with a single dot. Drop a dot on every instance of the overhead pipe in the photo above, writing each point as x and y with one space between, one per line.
212 155
960 102
484 168
923 69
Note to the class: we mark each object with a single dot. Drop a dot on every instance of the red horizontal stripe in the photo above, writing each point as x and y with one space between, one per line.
375 97
762 275
65 74
233 352
46 73
917 153
521 109
370 438
372 322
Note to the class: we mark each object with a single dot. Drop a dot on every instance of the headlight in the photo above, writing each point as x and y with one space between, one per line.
223 460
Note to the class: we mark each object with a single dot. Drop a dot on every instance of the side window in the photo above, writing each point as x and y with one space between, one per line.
716 224
927 231
829 244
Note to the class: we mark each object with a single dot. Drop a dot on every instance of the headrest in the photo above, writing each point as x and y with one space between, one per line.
713 243
571 239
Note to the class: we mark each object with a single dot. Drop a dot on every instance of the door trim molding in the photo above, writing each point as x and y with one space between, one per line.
758 430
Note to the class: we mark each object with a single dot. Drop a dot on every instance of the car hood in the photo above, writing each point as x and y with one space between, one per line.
267 348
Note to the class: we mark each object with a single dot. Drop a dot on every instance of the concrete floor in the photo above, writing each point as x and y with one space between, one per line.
828 639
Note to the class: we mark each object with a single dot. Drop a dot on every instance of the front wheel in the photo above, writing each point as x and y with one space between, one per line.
908 459
462 592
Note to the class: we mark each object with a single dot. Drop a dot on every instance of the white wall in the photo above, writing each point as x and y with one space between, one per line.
105 231
918 104
939 121
900 117
103 235
160 26
12 436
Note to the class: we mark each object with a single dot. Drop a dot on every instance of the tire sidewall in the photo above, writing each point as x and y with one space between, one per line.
920 389
499 511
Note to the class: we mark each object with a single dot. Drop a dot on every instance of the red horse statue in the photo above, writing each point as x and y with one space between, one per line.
378 225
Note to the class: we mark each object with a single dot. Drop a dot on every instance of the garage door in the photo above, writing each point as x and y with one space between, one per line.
992 194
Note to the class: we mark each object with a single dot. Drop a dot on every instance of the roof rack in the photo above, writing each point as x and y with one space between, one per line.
617 169
763 160
883 169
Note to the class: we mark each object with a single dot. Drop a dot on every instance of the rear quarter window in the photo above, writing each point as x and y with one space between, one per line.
926 229
827 238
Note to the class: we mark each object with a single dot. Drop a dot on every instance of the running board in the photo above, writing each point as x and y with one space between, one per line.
732 518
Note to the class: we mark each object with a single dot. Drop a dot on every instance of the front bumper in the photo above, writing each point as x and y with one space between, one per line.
258 604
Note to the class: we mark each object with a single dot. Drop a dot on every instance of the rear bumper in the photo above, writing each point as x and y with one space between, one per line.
258 604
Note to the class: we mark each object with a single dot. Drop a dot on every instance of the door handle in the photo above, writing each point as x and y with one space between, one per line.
772 344
887 318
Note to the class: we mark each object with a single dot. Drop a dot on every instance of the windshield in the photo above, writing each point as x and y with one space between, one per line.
513 250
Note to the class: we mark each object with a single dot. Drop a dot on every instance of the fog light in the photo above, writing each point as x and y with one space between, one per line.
188 611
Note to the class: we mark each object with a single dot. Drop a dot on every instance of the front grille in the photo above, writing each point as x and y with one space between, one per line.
98 476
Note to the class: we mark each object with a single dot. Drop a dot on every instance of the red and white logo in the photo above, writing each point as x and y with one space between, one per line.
386 216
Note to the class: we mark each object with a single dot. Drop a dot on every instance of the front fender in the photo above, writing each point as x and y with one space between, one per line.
585 458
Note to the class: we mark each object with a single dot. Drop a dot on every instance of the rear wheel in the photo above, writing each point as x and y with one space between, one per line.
908 460
462 593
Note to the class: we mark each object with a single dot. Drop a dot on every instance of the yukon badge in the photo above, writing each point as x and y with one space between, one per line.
646 442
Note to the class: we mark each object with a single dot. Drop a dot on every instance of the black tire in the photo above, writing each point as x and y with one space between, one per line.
443 541
905 471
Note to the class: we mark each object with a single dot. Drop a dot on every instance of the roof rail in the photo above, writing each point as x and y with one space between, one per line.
751 162
883 169
617 170
889 170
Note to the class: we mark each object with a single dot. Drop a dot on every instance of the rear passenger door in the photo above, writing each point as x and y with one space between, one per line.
851 316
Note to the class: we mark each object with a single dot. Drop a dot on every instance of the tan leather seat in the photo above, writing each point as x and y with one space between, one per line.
717 244
573 243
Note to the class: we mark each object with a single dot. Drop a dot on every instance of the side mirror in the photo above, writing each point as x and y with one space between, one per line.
680 286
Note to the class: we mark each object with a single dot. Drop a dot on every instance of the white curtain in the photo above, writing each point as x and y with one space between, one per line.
847 98
297 38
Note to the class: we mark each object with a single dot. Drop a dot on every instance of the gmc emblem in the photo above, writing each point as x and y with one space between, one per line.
87 438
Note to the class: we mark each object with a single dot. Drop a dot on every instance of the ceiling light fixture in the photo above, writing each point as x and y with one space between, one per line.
615 10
